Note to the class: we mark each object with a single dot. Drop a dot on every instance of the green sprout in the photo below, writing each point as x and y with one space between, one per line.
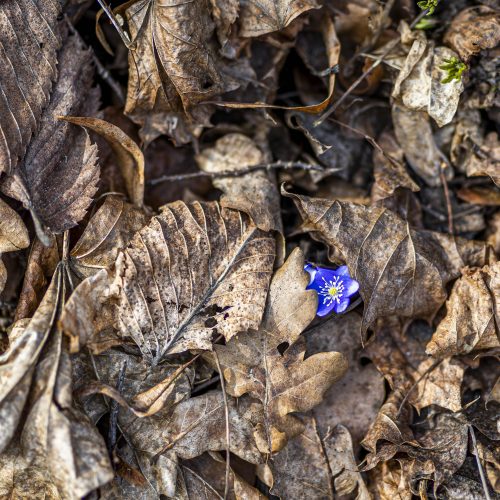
427 23
429 5
454 67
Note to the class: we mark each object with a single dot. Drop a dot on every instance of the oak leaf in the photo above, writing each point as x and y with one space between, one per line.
285 383
401 271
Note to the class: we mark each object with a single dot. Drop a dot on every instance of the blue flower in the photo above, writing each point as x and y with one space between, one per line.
334 287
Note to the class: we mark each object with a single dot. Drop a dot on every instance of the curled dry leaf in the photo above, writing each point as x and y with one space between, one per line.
472 314
419 85
35 401
254 193
194 272
269 364
265 16
59 173
473 30
128 154
414 134
486 159
13 236
388 482
401 271
30 38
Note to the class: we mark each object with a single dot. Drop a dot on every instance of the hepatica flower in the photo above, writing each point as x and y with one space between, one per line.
334 287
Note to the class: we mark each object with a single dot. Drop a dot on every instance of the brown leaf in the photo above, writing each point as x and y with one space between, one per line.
128 154
13 236
30 38
193 272
301 469
472 314
285 383
401 271
59 173
360 391
388 482
254 193
53 435
192 428
486 161
473 30
259 18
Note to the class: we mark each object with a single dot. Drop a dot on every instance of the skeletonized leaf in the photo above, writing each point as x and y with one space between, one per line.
13 236
285 383
401 271
59 173
254 193
194 272
472 314
260 17
29 40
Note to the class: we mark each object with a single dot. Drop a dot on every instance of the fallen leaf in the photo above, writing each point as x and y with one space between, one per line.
13 236
266 16
401 271
269 364
30 40
254 193
59 173
473 30
472 314
387 482
486 160
128 154
193 272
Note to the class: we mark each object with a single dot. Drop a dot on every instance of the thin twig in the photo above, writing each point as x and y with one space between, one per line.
449 210
390 46
228 431
479 465
123 34
285 165
114 407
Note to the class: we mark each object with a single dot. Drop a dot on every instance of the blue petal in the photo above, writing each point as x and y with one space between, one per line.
350 286
341 306
342 271
312 270
324 309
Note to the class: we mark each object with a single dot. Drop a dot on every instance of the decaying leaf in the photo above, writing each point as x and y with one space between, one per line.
30 38
269 364
58 175
36 404
254 193
388 482
401 271
13 236
472 314
473 30
261 17
486 159
421 84
194 272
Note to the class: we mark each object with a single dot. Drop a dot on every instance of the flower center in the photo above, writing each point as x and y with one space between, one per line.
333 291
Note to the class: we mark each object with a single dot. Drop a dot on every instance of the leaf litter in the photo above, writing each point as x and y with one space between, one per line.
167 172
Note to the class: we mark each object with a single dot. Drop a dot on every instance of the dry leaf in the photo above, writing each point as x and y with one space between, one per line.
301 470
128 154
13 236
59 173
473 30
194 272
360 391
472 314
30 38
260 17
401 271
254 193
486 160
269 364
388 482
